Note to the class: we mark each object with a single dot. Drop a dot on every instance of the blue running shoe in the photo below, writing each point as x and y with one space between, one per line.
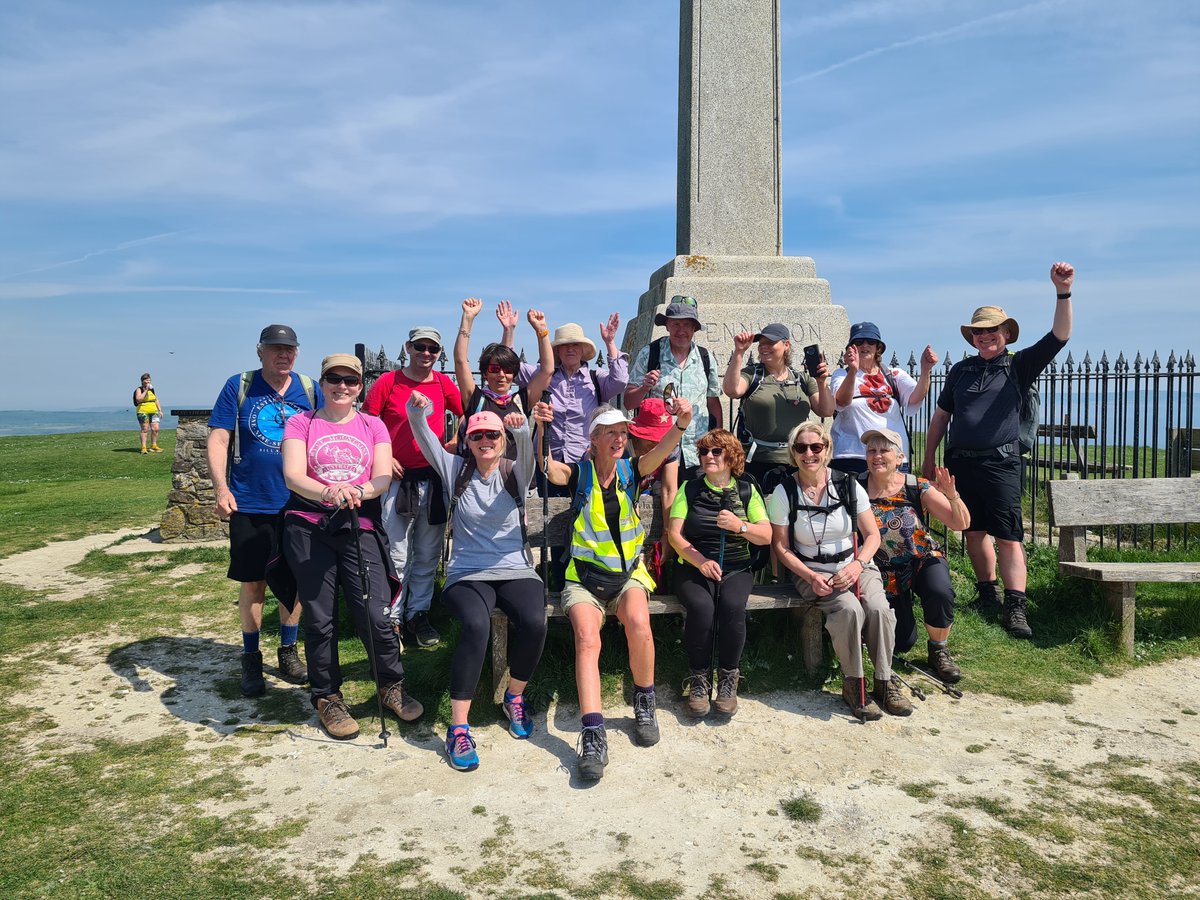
520 722
460 747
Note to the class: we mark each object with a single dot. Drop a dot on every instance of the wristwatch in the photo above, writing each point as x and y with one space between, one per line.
744 528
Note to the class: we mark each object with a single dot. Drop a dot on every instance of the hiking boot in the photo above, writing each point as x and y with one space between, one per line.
645 722
291 669
727 685
460 749
252 675
1015 622
593 752
422 632
987 603
943 666
698 689
852 693
891 698
397 700
520 722
336 719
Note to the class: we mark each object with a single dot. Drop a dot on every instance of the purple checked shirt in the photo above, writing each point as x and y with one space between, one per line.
574 398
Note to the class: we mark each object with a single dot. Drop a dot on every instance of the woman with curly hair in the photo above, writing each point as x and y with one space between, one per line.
713 521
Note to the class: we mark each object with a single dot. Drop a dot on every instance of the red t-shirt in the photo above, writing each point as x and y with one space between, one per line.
388 398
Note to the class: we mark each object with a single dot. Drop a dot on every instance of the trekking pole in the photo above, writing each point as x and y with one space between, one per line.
862 683
364 581
545 448
916 691
726 503
917 670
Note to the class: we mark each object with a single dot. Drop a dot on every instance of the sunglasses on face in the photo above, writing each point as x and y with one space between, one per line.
476 436
705 451
979 331
686 301
862 342
347 380
811 448
425 348
497 369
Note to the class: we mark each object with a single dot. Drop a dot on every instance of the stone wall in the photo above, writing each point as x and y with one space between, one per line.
191 505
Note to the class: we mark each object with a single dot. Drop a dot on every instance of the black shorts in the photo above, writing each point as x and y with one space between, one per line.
991 488
252 544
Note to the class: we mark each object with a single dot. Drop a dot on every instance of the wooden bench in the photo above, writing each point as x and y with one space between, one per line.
558 532
1076 505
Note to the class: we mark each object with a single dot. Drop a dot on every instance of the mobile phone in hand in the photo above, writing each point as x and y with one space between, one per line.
812 359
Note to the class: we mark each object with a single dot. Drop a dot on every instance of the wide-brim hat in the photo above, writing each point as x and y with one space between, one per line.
680 310
345 360
652 420
990 317
571 333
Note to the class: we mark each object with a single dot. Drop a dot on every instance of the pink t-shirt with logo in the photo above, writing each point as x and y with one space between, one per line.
337 453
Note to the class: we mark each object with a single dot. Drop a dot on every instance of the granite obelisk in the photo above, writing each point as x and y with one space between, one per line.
729 216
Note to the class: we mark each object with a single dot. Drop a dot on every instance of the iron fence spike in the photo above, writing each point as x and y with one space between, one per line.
1137 362
1087 361
1171 362
1154 362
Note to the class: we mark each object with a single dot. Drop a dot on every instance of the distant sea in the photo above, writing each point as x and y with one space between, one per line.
105 418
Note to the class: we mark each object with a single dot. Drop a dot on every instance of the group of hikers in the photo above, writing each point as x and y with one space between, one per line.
323 492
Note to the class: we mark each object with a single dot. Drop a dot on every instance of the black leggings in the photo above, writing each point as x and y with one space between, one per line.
931 583
472 603
699 597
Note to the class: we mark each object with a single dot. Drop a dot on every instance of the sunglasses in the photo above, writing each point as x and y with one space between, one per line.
497 369
862 341
992 330
811 448
347 380
686 301
476 436
425 348
705 451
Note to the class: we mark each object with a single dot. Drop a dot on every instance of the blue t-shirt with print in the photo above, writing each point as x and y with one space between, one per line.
257 481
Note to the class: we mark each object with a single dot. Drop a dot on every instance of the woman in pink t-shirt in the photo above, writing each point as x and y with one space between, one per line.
337 459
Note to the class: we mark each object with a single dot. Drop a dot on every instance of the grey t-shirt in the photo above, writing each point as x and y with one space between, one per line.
487 543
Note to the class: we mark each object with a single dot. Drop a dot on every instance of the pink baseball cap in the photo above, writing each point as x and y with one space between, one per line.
652 420
484 421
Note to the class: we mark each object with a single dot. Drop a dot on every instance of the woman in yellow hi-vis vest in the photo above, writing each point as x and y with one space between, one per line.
606 572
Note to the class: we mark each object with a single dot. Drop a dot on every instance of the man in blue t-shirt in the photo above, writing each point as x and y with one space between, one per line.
246 468
980 405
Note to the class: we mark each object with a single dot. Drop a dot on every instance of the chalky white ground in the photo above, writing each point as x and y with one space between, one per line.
699 804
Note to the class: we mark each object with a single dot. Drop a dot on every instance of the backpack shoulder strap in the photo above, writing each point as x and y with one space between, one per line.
847 489
583 487
706 360
691 490
460 485
627 479
793 498
756 380
235 446
745 487
595 382
310 391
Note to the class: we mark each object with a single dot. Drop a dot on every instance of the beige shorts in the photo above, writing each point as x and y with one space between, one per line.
574 593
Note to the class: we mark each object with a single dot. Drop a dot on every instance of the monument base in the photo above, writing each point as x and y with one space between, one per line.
744 293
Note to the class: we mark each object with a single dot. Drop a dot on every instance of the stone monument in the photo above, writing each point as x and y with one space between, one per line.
729 217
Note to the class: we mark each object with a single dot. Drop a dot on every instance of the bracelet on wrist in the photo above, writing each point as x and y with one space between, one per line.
541 334
464 332
1066 296
681 430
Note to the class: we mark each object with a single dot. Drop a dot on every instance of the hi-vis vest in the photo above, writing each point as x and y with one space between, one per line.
593 542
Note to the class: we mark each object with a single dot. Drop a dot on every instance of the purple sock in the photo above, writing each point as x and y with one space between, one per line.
591 720
638 689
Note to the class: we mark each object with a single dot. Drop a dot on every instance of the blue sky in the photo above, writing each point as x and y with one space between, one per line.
174 176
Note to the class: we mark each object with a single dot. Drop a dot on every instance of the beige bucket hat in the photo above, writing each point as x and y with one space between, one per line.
990 317
573 334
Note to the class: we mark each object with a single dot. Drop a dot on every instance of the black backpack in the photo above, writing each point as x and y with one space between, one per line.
845 485
760 555
1029 401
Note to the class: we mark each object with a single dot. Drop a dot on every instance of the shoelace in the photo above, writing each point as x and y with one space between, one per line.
462 743
590 742
517 709
697 686
643 708
336 711
728 685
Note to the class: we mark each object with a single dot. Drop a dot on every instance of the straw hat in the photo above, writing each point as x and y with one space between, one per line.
573 334
990 317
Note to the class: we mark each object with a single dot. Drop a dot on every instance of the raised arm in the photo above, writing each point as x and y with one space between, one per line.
429 443
942 501
541 381
734 384
471 307
508 323
845 391
682 409
556 472
921 391
1063 276
822 401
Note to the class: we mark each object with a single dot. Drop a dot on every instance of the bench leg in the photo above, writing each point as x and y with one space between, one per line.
1120 596
499 655
812 641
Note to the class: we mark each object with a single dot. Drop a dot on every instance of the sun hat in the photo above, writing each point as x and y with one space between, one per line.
776 331
571 333
484 421
652 420
345 360
680 307
990 317
867 331
884 434
608 417
428 332
279 334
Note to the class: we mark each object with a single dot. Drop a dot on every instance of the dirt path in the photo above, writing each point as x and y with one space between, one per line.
704 803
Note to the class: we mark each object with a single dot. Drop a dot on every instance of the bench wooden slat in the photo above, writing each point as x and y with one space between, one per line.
1166 572
1125 501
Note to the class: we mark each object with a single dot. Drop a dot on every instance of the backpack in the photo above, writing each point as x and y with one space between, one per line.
756 379
760 555
507 472
235 446
845 485
1029 405
655 359
627 481
890 380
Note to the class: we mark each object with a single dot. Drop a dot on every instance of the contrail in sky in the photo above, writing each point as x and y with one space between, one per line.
920 39
70 262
